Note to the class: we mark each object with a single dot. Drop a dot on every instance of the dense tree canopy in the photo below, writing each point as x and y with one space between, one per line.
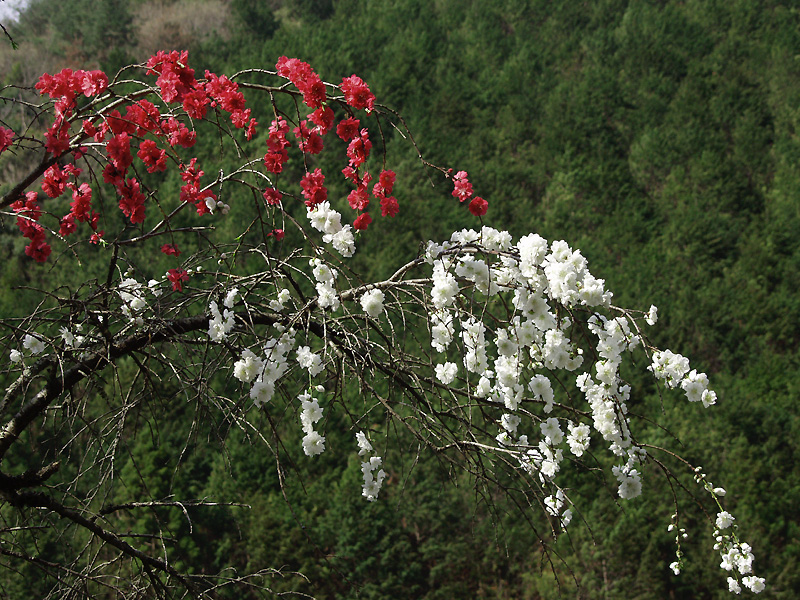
659 138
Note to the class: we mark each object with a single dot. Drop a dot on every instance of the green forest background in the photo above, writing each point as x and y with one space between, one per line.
659 137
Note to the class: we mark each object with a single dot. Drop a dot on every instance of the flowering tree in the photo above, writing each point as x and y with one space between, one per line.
502 357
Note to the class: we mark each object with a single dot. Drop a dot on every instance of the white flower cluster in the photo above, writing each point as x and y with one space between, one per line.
674 370
441 330
372 480
445 287
221 324
326 277
313 442
569 281
71 340
309 360
131 292
265 372
554 504
326 220
279 303
630 482
578 438
372 303
544 279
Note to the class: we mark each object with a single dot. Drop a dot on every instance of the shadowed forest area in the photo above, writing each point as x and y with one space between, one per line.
661 138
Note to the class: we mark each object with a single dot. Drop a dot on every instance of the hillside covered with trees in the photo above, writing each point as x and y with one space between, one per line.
660 138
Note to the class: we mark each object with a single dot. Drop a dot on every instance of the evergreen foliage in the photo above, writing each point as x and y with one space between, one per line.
658 137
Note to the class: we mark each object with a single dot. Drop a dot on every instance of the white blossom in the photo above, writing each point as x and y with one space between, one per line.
372 303
33 344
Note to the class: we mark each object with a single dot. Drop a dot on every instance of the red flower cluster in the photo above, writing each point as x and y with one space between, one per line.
191 190
140 128
463 188
304 79
383 192
357 94
463 191
225 94
277 145
81 206
151 155
28 212
170 250
131 200
64 87
323 119
359 148
175 77
309 141
177 83
273 196
66 84
314 190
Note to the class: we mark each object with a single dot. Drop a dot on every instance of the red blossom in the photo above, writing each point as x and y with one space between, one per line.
146 116
362 221
195 103
309 141
389 207
38 249
359 148
119 151
273 196
177 133
322 118
358 198
385 184
463 188
6 135
28 212
93 82
96 237
251 129
175 78
278 233
304 79
131 200
94 221
170 250
68 225
113 175
274 161
314 189
177 277
154 157
225 92
348 128
278 130
357 94
478 206
118 124
81 205
54 182
57 137
240 118
90 130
